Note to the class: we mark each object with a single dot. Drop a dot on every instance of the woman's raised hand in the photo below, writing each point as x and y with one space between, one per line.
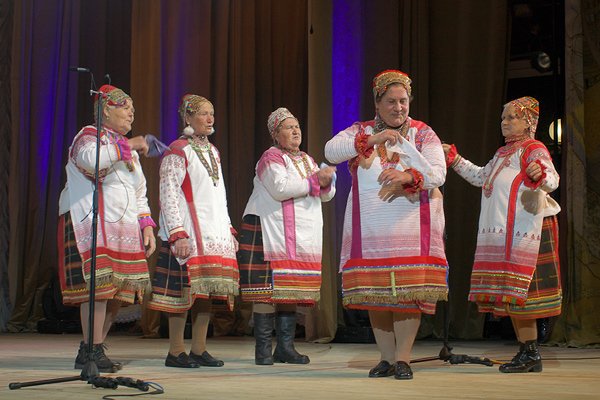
446 148
388 135
325 176
139 144
534 171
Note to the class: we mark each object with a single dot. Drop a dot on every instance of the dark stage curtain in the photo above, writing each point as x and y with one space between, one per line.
248 57
6 14
49 104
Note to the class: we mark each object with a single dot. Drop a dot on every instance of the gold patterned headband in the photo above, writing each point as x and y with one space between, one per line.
384 79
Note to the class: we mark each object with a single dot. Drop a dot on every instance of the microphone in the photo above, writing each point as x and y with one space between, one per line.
79 69
107 78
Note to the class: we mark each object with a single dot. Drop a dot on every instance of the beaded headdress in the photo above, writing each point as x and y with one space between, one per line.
112 96
190 105
384 79
277 117
529 108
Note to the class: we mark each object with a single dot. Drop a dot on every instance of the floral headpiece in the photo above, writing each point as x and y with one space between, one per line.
112 96
277 117
190 105
529 108
384 79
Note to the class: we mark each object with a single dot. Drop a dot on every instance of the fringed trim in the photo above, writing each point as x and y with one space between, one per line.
428 296
217 287
296 296
136 286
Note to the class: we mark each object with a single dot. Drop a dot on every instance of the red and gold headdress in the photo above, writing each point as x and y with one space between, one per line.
528 108
384 79
111 96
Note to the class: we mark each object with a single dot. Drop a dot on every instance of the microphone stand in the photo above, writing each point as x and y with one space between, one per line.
89 372
445 353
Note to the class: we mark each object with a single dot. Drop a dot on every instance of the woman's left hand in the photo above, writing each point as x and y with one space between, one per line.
149 240
391 175
534 171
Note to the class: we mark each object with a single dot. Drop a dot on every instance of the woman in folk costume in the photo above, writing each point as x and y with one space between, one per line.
281 239
392 262
124 222
516 271
197 261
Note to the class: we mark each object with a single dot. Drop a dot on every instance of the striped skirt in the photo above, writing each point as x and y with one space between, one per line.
259 283
544 297
176 287
72 281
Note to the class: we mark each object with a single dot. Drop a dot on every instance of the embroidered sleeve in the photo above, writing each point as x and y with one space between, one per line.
430 161
452 157
472 173
176 234
417 184
143 209
344 146
123 149
172 173
539 154
361 145
279 177
314 187
146 220
83 153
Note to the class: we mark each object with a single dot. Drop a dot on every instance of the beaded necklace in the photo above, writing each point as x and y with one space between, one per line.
296 159
505 153
200 149
380 126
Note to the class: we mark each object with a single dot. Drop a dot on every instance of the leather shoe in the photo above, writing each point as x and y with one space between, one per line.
181 361
205 360
403 371
382 370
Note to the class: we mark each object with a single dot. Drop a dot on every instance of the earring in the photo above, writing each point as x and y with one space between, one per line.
188 130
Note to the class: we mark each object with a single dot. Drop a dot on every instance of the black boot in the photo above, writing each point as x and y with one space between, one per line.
263 333
528 359
285 352
103 363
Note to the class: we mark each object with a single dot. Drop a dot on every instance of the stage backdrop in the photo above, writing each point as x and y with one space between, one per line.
315 57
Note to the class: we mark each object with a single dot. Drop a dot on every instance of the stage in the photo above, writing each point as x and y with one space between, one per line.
336 371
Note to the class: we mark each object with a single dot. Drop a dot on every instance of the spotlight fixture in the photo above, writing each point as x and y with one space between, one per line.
555 128
541 61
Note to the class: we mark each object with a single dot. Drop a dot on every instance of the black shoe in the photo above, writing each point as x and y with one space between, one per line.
528 359
82 357
103 363
403 371
181 361
205 360
382 370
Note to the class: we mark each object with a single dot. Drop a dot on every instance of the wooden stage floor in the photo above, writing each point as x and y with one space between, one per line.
336 371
